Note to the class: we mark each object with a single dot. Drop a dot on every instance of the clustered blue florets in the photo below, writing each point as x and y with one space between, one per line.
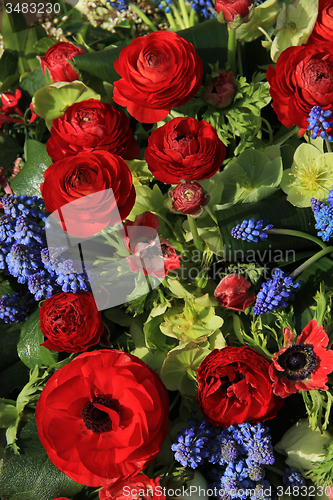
238 452
293 478
24 255
323 213
203 7
251 230
275 292
318 123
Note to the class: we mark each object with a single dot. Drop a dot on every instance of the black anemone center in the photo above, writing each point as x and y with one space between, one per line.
298 361
95 419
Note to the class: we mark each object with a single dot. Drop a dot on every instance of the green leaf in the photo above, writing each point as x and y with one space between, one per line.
179 368
29 349
9 150
43 45
33 81
18 37
9 335
148 199
100 64
31 475
9 83
52 101
8 64
29 179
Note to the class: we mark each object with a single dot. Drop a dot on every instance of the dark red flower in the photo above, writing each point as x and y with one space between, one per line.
56 62
103 417
188 197
323 28
33 114
303 78
135 488
159 71
88 125
220 90
234 11
184 148
10 103
304 365
96 187
234 387
154 254
233 292
70 322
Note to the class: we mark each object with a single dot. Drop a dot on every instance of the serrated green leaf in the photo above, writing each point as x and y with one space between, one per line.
8 414
29 347
29 179
31 475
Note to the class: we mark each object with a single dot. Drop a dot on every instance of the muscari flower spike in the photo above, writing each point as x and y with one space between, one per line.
275 292
69 278
22 262
318 123
15 309
191 444
324 218
251 230
28 206
293 478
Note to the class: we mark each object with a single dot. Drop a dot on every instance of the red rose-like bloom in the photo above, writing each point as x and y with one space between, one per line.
304 365
184 149
233 292
104 176
155 253
221 90
134 488
88 125
103 417
233 9
56 62
71 322
234 387
322 31
159 71
188 197
303 78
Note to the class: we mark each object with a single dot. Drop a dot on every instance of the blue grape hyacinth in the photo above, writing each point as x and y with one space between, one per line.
251 230
275 293
318 123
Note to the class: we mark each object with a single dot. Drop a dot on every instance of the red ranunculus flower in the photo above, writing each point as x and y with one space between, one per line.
234 11
304 365
70 322
233 292
155 253
159 71
188 197
103 417
56 62
220 90
184 148
100 174
135 488
303 78
323 28
234 387
88 125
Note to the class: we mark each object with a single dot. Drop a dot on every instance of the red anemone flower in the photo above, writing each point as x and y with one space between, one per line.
303 365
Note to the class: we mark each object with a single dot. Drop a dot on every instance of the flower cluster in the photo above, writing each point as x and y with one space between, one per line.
323 213
239 453
275 292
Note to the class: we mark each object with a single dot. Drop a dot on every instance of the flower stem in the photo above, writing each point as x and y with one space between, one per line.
184 12
196 238
171 21
143 16
328 145
232 44
192 17
299 234
265 33
209 212
310 261
178 17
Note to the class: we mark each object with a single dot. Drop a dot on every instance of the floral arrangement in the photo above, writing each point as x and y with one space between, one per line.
166 269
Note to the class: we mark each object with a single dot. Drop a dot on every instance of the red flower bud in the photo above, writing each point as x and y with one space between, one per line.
234 11
221 90
56 61
233 292
188 197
